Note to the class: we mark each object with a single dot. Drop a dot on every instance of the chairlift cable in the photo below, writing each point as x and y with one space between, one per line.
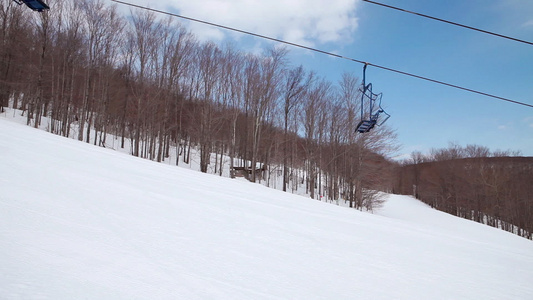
324 52
450 22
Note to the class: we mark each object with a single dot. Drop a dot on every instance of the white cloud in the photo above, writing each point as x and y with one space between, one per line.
308 22
529 121
528 24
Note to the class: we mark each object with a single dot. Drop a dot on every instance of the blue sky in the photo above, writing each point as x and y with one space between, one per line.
425 115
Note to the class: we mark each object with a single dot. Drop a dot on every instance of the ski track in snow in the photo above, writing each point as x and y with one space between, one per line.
78 221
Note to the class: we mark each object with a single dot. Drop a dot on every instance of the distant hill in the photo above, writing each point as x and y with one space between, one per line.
497 191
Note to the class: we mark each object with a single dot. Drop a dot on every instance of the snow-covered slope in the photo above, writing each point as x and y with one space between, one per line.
82 222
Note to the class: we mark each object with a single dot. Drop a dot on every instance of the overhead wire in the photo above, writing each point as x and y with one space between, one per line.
323 52
450 22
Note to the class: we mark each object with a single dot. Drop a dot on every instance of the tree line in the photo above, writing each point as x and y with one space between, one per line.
471 182
94 73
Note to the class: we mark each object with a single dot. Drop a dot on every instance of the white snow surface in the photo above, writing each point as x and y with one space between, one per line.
83 222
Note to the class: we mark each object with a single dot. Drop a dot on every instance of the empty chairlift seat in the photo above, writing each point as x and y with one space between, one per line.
365 126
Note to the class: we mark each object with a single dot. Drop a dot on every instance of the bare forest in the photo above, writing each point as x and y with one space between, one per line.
493 188
96 74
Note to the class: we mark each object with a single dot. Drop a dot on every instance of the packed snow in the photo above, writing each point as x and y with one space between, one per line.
83 222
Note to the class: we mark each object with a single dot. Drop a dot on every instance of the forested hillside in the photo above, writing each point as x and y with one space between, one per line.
493 188
148 80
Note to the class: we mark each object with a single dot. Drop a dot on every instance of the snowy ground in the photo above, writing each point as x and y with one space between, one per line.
78 221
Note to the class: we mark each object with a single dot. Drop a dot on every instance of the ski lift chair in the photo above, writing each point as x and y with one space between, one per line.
372 118
36 5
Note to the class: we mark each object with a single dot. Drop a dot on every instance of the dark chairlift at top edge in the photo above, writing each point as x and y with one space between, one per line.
36 5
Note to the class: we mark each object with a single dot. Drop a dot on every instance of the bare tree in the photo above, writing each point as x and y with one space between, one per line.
266 87
143 40
14 44
296 85
208 74
180 62
38 99
314 104
232 94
